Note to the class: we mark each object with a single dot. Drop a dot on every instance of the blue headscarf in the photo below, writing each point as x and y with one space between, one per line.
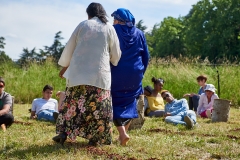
124 15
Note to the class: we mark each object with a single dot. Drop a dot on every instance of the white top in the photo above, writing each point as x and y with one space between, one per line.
203 103
88 53
39 104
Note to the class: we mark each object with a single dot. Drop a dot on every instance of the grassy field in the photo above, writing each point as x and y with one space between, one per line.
30 139
180 77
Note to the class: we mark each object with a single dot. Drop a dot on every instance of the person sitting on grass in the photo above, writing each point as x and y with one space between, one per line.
45 108
177 111
193 97
206 100
6 116
155 100
147 92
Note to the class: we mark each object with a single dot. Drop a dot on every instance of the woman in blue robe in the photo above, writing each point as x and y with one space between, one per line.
127 76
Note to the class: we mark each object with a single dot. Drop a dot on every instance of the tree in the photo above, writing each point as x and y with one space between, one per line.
56 49
27 57
213 29
151 39
2 44
167 40
140 25
3 56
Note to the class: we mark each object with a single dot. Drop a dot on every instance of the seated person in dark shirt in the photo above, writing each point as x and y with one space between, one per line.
6 116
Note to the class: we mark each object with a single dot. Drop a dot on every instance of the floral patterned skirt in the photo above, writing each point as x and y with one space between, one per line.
86 112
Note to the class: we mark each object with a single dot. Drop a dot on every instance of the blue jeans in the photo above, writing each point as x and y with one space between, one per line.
179 119
46 115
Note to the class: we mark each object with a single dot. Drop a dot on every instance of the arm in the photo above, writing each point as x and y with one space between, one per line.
7 103
33 115
5 109
33 111
114 47
69 49
56 106
152 105
145 53
210 105
63 70
166 111
184 107
190 95
61 96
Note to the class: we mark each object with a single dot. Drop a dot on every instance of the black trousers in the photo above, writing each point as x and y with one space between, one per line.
193 102
6 119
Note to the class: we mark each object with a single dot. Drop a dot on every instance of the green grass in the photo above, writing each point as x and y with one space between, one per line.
180 78
156 140
27 84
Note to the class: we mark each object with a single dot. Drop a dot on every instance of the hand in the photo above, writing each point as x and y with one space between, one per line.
192 94
167 114
186 95
63 70
58 94
33 117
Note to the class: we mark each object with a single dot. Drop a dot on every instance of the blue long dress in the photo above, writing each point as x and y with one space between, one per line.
128 74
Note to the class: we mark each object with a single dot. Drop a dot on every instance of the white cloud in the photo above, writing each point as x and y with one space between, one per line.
32 23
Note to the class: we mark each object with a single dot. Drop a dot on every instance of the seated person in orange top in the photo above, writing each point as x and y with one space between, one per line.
155 100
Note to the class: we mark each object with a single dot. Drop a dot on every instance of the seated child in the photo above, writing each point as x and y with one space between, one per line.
45 108
193 97
206 101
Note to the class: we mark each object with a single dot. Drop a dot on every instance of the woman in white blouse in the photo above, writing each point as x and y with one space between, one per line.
86 110
206 100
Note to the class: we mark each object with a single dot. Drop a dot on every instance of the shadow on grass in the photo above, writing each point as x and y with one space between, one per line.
42 150
57 149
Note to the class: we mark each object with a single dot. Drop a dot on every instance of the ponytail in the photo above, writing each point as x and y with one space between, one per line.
157 80
97 10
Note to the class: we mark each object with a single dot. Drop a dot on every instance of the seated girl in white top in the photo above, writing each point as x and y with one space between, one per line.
206 100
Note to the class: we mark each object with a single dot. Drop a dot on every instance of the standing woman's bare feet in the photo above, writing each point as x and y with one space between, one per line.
124 140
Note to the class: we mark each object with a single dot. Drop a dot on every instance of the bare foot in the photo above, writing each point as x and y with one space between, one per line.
124 140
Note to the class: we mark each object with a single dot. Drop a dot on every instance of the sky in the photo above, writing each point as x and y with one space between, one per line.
34 23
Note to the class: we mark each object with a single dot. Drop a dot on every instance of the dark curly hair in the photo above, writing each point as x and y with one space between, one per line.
97 10
157 80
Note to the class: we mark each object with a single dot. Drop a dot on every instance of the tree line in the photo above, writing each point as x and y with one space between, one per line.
210 30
